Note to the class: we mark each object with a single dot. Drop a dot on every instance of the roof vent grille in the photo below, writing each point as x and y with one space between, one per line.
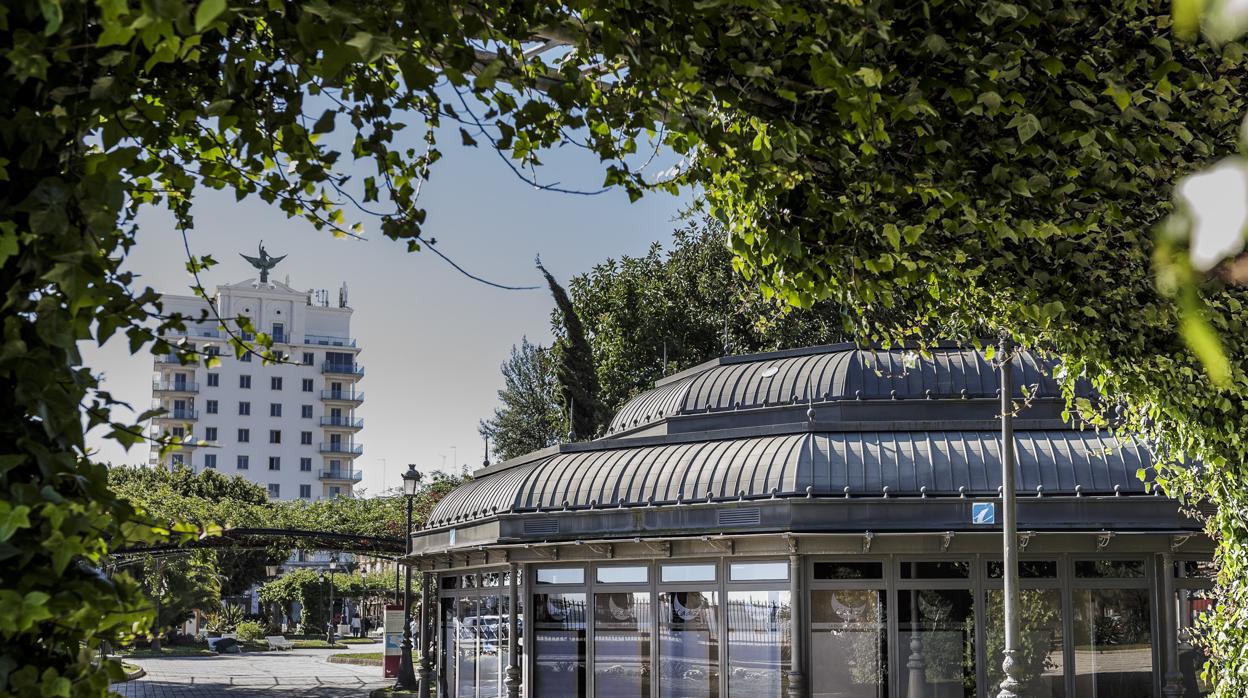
738 517
541 526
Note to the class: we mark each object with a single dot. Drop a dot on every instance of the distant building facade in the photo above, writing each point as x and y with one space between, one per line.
292 426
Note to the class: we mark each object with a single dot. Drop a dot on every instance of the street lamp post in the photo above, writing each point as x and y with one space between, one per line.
1010 684
407 675
333 567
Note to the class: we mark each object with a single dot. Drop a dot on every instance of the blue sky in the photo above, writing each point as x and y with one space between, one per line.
432 339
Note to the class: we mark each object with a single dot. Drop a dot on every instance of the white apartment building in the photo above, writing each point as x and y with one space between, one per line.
291 427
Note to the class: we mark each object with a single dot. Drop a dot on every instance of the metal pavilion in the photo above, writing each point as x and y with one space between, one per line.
814 522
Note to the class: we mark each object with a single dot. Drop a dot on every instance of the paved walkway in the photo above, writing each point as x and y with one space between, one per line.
290 674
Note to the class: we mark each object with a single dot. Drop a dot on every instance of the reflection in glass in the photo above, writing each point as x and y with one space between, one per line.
560 575
623 575
754 571
466 649
1109 569
477 657
688 644
559 644
1113 643
1193 605
1027 569
758 643
848 570
622 645
937 633
935 569
849 643
1040 641
688 573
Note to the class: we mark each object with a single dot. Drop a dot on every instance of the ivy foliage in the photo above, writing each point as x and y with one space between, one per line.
977 165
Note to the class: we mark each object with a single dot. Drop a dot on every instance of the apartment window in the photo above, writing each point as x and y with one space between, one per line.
275 436
308 359
211 407
306 412
279 355
275 383
244 408
335 491
275 490
246 357
305 465
279 332
275 409
244 436
210 461
210 433
214 379
176 459
305 438
275 463
244 381
212 350
305 491
242 463
308 385
335 465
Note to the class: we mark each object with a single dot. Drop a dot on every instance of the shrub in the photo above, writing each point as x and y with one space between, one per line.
250 631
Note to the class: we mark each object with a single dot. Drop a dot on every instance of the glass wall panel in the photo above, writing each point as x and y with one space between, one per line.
1027 569
1040 641
560 575
935 569
1192 605
622 645
759 643
756 571
559 644
1113 643
849 643
491 657
467 649
825 571
937 635
688 573
1109 569
688 644
623 575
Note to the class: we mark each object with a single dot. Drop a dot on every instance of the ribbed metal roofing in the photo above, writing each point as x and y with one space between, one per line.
829 375
829 464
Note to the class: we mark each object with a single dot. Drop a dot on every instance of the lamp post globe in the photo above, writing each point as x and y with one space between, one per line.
407 674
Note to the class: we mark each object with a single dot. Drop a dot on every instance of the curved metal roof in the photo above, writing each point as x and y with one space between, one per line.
830 374
802 464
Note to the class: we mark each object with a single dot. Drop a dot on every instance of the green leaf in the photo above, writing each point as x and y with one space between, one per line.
207 12
893 235
1203 341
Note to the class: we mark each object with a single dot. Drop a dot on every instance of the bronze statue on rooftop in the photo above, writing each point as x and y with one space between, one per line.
264 262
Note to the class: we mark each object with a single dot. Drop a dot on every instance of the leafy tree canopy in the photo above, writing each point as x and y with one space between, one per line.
530 416
975 165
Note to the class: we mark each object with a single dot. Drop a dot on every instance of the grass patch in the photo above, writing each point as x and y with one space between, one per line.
358 641
316 645
359 658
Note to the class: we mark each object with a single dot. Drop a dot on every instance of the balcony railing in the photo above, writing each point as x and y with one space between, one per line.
345 395
179 414
175 387
348 449
349 475
343 367
326 341
345 422
173 359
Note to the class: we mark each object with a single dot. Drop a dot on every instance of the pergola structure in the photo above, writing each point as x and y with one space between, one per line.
814 522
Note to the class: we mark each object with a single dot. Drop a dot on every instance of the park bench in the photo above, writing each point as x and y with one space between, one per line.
277 642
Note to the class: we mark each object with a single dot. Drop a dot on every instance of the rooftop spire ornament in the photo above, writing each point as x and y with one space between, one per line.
264 262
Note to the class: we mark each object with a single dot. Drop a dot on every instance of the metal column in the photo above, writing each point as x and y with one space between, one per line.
796 677
513 678
1173 687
